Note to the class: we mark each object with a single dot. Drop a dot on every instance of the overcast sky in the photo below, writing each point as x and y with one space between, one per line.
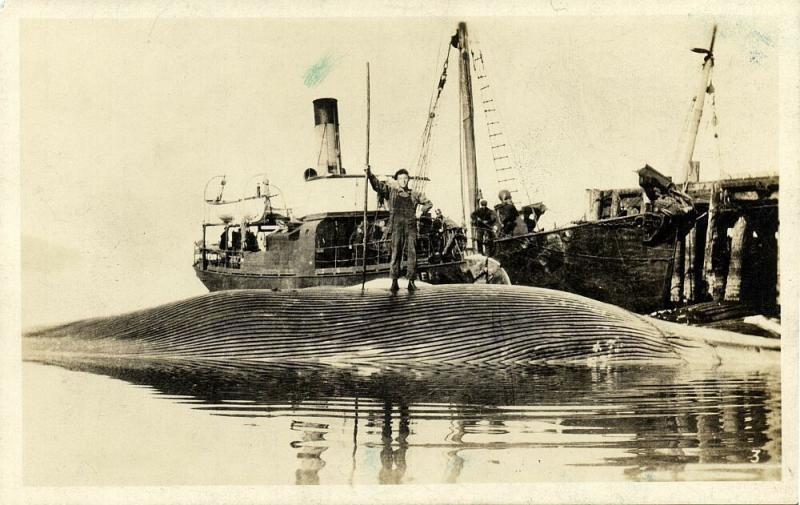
122 122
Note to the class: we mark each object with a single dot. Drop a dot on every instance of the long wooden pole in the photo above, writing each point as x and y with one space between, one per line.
685 162
366 196
713 243
470 186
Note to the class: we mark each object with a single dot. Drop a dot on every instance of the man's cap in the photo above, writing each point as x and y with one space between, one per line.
400 172
504 193
483 202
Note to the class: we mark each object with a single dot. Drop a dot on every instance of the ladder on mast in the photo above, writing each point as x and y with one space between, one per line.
508 176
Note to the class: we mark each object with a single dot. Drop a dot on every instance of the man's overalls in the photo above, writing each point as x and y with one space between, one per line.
404 234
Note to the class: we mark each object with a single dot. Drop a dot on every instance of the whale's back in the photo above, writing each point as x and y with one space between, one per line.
452 323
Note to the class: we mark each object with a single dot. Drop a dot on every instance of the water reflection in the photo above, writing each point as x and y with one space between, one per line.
310 451
393 461
358 425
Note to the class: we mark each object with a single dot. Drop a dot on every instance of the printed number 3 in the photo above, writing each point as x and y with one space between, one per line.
756 453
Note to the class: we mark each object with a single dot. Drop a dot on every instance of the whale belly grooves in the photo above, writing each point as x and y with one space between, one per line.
446 323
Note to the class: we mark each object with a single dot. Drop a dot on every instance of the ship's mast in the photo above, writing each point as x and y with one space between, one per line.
469 182
684 166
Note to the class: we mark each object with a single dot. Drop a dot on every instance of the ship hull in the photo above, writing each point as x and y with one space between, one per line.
220 279
604 260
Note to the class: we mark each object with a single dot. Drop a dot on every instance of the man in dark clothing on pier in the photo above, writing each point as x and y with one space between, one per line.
485 221
403 203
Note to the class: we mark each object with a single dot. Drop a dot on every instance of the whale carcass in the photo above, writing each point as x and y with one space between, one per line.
446 323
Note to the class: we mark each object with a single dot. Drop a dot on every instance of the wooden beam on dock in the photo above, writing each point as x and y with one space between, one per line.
690 258
713 244
695 256
679 272
739 238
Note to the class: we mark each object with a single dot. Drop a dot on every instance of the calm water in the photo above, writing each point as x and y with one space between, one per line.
90 422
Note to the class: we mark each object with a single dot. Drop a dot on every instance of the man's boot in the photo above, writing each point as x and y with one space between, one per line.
395 286
412 286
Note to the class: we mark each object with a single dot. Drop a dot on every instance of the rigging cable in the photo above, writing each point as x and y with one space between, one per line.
423 160
715 123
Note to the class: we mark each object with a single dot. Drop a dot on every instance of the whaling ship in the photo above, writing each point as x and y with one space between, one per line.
625 260
624 257
324 247
627 251
659 245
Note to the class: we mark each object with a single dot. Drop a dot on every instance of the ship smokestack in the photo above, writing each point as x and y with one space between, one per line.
326 129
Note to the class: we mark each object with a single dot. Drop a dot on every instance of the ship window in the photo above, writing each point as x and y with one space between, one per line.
333 248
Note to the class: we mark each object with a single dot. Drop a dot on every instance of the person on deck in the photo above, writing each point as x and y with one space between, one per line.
250 241
531 214
403 203
357 241
437 233
484 220
507 213
223 240
236 240
529 218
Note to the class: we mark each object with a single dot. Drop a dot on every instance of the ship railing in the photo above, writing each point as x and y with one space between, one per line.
352 255
379 252
215 257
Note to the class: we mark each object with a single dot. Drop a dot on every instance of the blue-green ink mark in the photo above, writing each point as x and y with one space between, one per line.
756 56
762 37
317 72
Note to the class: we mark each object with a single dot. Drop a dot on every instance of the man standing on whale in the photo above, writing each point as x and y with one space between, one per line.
403 203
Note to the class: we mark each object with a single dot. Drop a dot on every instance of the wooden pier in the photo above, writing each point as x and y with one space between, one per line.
731 252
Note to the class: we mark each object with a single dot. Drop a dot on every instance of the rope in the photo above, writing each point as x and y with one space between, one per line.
715 122
423 160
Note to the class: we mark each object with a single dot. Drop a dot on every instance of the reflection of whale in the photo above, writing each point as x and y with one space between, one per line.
457 323
667 417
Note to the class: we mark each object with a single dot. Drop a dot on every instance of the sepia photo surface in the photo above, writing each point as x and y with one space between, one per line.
218 288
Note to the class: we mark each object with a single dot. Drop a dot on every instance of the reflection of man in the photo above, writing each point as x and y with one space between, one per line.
393 462
484 219
403 203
